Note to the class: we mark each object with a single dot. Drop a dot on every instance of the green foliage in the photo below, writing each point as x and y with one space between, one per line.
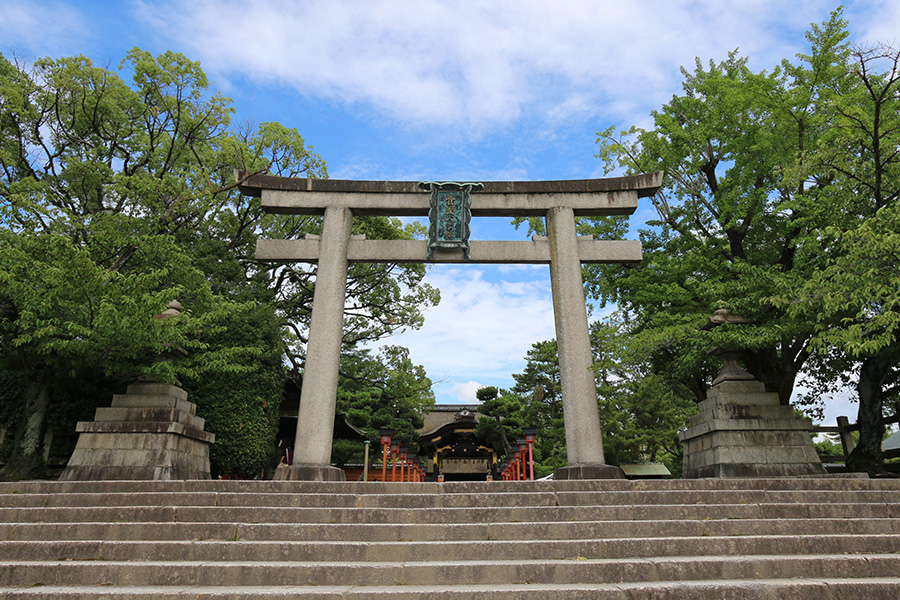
737 215
540 395
640 410
118 196
641 414
65 308
829 446
501 423
773 181
852 296
385 391
728 222
240 391
860 287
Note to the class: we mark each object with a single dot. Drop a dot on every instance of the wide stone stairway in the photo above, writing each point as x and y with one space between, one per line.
734 538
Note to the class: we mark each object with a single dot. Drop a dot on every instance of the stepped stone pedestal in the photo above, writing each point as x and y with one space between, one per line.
150 432
742 431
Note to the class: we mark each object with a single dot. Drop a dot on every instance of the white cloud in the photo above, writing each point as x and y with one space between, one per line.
482 328
41 28
465 392
478 65
875 22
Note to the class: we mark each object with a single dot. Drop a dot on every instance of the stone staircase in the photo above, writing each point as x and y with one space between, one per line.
817 538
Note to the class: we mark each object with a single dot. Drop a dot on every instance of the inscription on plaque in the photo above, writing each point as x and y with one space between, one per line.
449 215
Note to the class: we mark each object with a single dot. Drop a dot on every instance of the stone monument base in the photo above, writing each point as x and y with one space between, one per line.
150 432
743 431
309 473
588 472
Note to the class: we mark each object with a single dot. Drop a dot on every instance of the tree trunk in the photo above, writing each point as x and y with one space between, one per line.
27 459
866 457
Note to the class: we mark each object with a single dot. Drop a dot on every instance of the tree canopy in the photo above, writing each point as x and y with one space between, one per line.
773 180
118 197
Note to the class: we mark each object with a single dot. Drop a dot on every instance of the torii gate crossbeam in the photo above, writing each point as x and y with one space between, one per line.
558 201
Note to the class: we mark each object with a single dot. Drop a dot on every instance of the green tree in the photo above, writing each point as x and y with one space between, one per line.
771 179
738 215
852 295
540 395
64 311
731 212
641 412
860 283
860 288
384 391
118 190
241 405
501 423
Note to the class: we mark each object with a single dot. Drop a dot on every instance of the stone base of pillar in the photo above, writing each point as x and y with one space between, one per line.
743 431
309 473
149 433
588 472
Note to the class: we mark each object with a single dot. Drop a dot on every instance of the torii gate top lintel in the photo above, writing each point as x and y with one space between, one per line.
587 197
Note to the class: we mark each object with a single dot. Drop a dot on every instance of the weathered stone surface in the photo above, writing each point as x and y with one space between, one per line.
581 416
589 197
153 401
737 539
742 431
589 471
309 472
558 201
149 413
152 433
152 388
318 395
480 251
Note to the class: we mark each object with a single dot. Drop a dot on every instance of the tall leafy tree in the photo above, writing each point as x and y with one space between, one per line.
640 412
502 419
118 196
767 174
735 213
63 311
853 297
732 213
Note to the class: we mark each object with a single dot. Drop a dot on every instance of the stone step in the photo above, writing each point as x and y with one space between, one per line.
882 588
462 550
432 501
803 538
247 514
444 573
370 488
548 530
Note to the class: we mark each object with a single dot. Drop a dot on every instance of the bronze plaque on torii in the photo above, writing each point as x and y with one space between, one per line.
449 215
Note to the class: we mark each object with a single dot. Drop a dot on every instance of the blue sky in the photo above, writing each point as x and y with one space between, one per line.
464 90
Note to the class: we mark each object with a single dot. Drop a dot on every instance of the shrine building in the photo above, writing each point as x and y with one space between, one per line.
450 446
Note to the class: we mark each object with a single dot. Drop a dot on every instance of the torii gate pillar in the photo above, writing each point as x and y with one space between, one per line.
318 396
560 202
581 416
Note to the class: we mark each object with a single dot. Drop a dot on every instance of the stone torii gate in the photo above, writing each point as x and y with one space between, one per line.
558 201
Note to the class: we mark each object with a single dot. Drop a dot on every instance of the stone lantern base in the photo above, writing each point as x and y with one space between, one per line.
151 432
743 431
